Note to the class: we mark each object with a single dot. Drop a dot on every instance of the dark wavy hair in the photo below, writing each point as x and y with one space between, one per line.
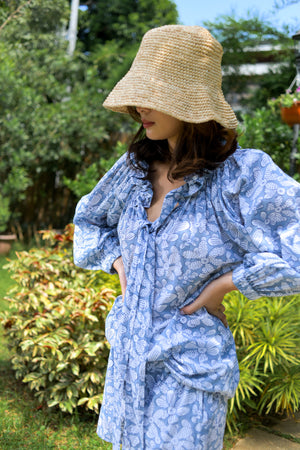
200 147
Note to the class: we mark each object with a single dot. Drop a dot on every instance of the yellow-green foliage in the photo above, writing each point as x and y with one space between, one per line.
266 333
56 326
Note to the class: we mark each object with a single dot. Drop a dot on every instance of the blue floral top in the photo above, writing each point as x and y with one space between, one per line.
242 217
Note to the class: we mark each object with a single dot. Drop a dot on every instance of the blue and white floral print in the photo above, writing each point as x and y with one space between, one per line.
169 376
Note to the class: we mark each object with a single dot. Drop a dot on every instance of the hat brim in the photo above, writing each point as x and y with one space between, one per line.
189 104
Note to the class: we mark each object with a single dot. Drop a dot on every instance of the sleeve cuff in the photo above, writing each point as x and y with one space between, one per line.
240 281
110 259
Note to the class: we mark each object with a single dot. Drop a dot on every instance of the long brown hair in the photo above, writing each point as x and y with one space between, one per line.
200 147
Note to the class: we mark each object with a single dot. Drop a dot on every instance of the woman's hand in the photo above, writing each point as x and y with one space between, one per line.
212 296
118 265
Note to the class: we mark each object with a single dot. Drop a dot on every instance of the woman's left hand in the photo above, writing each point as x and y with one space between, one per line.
212 297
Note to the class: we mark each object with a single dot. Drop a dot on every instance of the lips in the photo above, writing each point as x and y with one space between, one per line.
147 124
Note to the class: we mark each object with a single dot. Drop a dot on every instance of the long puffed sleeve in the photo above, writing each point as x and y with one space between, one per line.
268 230
96 243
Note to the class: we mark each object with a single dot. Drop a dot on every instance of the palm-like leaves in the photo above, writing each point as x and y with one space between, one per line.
267 337
243 316
282 392
275 345
248 388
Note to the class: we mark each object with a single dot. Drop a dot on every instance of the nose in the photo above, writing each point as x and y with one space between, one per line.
141 109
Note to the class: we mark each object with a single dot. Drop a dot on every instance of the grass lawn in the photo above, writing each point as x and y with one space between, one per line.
25 424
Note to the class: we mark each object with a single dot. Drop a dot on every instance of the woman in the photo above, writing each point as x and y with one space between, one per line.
184 218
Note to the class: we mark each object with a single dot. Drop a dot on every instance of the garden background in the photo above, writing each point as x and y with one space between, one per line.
56 141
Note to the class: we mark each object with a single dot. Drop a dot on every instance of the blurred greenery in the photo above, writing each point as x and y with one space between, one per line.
251 40
264 129
52 125
56 140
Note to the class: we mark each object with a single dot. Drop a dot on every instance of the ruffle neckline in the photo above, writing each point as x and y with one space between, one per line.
193 183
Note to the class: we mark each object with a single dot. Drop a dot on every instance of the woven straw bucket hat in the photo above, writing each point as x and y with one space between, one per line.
176 71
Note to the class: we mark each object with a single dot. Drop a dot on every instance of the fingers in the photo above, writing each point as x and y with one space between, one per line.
217 312
197 304
193 307
220 315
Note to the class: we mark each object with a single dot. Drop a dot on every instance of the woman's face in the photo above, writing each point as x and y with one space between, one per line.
160 126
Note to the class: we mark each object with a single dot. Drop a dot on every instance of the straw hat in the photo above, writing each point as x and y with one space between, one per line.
176 71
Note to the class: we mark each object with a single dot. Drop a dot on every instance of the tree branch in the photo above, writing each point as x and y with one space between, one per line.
14 14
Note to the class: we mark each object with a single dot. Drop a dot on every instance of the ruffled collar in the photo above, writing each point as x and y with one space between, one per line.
193 182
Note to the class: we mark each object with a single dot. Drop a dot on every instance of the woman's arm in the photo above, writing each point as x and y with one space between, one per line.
118 265
96 243
212 297
259 208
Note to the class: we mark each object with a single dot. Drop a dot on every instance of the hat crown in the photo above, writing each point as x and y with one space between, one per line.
181 54
176 71
194 34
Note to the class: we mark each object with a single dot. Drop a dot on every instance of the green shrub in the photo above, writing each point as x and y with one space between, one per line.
56 326
266 333
264 129
86 180
4 213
